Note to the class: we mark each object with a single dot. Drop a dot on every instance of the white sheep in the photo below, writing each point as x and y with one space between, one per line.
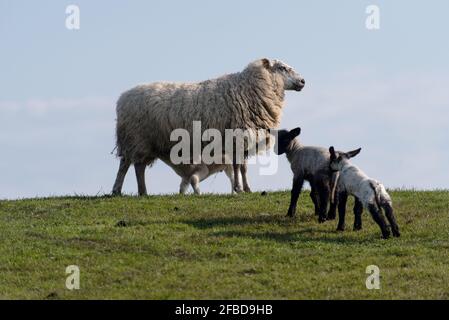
307 163
369 193
147 114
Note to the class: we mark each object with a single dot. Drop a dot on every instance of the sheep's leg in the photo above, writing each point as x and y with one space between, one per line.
377 216
184 185
342 199
230 173
390 216
140 175
298 182
123 169
358 209
244 171
195 182
324 194
237 185
314 197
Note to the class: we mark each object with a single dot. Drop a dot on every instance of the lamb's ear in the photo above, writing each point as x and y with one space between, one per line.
353 153
266 63
332 152
295 132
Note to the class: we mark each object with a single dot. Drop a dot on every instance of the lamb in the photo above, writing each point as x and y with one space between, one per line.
193 174
147 114
368 192
311 164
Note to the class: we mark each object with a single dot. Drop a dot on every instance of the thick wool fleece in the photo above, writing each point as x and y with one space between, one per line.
147 114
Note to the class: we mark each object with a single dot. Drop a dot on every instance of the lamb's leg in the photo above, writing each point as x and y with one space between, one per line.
184 185
390 216
123 169
140 175
244 171
358 210
324 194
377 216
342 199
331 215
296 190
314 197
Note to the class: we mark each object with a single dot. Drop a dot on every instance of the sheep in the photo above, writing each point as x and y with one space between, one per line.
307 163
147 114
369 193
193 174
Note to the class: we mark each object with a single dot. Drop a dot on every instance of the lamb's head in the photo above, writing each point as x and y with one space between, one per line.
284 139
339 159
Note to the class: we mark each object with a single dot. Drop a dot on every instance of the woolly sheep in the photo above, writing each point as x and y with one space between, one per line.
311 164
369 193
147 114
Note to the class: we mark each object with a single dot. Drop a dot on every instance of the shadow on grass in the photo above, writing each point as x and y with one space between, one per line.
206 223
304 235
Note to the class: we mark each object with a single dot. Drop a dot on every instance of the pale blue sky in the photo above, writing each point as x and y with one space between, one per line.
383 90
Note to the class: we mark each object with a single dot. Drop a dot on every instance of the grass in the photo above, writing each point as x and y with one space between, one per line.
218 247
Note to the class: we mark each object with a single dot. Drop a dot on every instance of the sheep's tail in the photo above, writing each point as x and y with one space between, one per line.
377 192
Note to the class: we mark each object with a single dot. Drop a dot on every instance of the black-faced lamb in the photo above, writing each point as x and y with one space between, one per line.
307 163
368 192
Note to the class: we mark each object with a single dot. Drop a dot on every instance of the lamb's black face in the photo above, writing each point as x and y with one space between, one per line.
338 159
284 138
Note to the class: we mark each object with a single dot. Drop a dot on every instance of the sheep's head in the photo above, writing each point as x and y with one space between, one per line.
289 77
339 159
284 138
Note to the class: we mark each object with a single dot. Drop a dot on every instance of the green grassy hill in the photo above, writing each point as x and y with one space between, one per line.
218 247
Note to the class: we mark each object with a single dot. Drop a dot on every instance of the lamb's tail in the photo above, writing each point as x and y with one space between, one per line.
333 185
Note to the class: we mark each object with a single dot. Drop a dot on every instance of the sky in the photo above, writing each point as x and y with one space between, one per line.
383 90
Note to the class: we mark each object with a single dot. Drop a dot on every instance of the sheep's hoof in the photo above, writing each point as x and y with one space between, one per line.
331 217
385 234
357 228
322 219
247 189
396 233
341 228
116 194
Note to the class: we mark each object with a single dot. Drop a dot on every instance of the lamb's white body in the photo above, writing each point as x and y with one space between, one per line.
369 194
309 163
193 174
355 182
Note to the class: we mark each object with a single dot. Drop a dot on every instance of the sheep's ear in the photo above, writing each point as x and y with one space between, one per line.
266 63
295 132
332 152
353 153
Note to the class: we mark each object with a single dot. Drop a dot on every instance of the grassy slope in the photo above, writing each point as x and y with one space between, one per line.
218 247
